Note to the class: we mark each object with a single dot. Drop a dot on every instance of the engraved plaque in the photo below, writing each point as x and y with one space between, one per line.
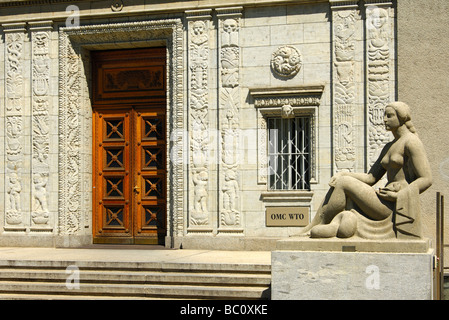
287 216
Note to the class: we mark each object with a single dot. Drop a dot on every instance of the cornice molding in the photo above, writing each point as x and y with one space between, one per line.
198 4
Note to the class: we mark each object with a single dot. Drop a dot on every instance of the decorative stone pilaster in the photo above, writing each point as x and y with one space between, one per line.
199 22
379 72
347 79
230 180
15 166
41 103
69 138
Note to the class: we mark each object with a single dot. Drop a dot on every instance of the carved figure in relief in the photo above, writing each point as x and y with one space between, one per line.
40 193
229 213
230 191
352 203
200 199
14 189
378 38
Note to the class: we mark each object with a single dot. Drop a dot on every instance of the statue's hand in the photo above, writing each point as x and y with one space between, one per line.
333 180
387 194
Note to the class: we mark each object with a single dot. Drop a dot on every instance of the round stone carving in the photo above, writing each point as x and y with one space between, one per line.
286 62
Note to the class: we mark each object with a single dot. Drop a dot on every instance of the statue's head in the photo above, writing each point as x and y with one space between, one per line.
403 113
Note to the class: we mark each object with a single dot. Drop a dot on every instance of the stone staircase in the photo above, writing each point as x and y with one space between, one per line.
88 280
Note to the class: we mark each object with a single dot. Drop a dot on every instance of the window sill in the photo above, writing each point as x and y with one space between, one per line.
287 196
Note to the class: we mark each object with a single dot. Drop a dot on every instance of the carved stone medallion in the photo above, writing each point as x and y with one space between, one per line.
286 62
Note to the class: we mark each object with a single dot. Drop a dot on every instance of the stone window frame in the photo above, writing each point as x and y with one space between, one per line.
270 102
75 120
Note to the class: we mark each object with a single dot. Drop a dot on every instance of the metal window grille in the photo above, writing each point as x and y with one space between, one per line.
289 150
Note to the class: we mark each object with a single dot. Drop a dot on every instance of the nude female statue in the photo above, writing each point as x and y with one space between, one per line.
405 163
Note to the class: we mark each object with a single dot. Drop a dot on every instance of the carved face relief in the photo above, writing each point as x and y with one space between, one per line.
199 35
287 112
378 18
198 28
41 39
230 25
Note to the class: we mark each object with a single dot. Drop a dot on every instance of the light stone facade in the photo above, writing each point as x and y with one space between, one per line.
225 78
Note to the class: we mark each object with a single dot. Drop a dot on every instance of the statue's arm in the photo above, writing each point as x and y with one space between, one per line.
370 178
373 176
417 154
376 172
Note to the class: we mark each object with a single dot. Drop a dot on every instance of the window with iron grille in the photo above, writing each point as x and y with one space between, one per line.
289 149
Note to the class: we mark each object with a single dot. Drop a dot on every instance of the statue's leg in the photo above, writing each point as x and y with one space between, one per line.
318 219
363 195
344 225
329 230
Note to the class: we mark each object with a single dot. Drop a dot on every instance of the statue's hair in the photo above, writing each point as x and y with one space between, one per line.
404 115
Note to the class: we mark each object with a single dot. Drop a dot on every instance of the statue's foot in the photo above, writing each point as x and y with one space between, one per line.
324 231
348 225
344 225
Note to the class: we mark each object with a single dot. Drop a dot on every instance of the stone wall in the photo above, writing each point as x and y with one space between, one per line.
423 68
223 84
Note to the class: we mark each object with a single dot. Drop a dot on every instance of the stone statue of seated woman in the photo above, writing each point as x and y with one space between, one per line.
353 207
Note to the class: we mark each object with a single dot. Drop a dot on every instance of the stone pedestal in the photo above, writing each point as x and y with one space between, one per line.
352 269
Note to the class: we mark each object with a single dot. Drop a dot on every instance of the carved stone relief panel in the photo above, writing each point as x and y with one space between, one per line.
379 69
230 198
286 62
41 104
344 42
199 123
14 127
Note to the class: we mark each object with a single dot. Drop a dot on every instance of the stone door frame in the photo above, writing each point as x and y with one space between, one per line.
75 117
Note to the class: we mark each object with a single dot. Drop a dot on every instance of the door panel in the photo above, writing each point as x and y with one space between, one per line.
133 75
150 173
130 177
129 149
112 153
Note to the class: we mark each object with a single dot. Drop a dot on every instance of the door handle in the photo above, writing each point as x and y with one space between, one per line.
136 189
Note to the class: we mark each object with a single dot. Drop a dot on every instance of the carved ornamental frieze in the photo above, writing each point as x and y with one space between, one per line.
344 21
199 132
229 115
14 126
379 69
41 104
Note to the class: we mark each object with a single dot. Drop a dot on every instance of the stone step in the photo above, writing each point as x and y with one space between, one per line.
148 277
15 296
140 266
46 279
133 290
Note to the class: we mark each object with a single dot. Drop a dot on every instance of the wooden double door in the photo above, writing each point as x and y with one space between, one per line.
129 155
